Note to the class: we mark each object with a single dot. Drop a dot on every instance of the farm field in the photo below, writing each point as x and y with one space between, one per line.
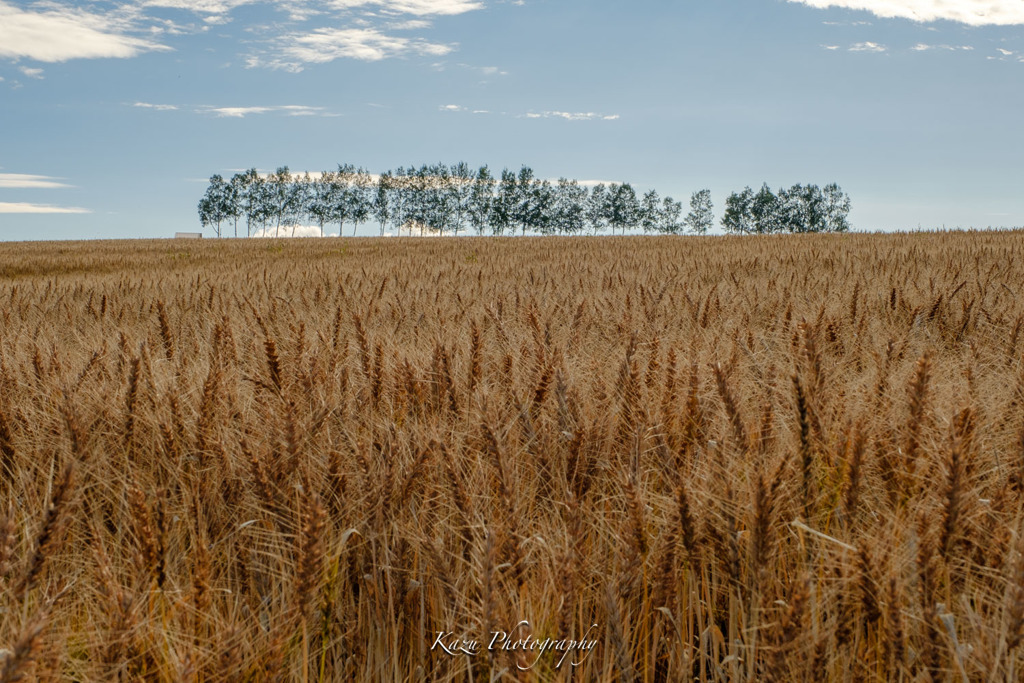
780 458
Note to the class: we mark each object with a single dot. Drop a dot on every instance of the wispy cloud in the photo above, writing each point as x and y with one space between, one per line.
571 116
1006 56
970 12
157 107
218 11
867 46
328 44
61 32
410 25
24 181
30 72
242 112
416 7
485 70
24 207
566 115
310 32
924 47
199 6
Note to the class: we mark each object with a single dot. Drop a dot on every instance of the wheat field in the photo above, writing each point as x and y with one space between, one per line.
785 458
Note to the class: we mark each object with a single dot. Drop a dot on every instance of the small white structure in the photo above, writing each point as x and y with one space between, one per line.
188 235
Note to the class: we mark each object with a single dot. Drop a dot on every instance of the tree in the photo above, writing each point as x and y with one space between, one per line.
320 199
252 200
737 216
341 195
542 208
570 206
793 209
597 214
503 208
233 200
282 199
400 203
622 207
440 200
213 205
301 189
418 197
383 199
669 220
460 191
836 208
766 211
650 212
361 196
524 198
814 208
702 212
480 200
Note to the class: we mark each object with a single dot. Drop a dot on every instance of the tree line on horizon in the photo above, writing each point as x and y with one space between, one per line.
446 199
800 208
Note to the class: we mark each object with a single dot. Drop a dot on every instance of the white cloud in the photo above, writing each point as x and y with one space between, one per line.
157 107
483 70
868 47
212 7
328 44
416 7
922 47
289 231
23 181
1005 53
831 47
24 207
410 25
61 33
59 30
29 72
572 116
566 115
235 112
217 11
241 112
971 12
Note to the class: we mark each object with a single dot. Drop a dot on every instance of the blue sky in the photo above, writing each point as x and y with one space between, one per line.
113 113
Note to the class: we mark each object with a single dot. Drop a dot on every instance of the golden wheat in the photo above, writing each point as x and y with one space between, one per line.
780 458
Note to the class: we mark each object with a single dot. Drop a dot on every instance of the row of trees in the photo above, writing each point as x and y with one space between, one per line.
452 199
800 208
442 199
